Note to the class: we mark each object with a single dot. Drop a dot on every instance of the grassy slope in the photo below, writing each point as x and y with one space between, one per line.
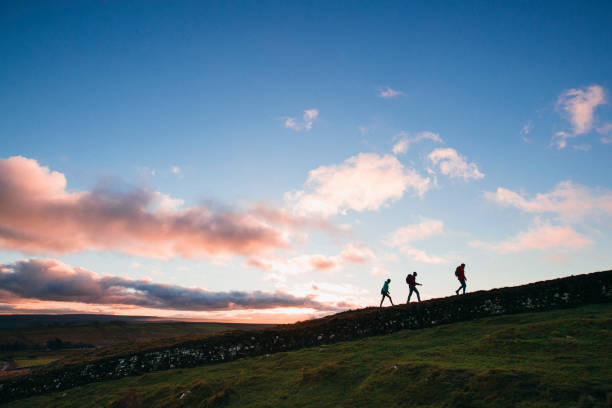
550 359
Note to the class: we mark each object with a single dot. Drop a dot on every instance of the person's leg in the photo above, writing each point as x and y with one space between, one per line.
409 295
457 291
418 294
382 300
391 300
463 286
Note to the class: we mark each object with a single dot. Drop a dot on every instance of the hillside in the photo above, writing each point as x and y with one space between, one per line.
133 359
550 359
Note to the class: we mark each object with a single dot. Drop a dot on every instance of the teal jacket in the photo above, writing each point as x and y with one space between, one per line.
385 288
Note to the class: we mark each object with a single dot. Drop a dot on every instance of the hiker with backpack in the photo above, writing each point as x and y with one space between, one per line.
412 284
385 293
460 274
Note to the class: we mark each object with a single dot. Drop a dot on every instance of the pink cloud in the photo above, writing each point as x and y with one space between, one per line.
454 165
279 266
541 236
363 182
578 106
39 215
572 202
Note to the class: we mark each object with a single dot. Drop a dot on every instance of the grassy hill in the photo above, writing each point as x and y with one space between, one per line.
557 358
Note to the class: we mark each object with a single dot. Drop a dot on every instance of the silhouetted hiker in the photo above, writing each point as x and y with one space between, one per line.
412 284
385 292
460 274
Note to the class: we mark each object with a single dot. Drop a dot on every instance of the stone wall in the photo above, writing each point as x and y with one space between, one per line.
554 294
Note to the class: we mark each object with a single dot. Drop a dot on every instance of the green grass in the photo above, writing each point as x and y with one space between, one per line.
34 361
550 359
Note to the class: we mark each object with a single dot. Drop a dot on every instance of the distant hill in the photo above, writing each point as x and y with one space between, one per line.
33 320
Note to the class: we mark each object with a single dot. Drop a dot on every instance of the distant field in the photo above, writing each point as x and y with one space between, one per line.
32 350
98 334
549 359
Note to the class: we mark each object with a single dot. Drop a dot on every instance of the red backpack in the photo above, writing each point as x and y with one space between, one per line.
410 280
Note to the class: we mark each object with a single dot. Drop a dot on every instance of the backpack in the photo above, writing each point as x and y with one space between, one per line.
457 271
410 279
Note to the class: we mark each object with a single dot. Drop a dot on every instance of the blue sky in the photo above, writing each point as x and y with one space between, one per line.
206 103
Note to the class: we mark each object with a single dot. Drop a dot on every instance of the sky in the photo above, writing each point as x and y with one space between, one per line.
278 161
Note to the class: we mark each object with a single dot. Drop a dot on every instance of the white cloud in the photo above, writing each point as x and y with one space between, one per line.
578 106
421 256
403 237
605 130
378 271
165 203
560 139
415 232
363 182
582 147
453 165
175 170
541 236
308 118
525 130
404 140
571 202
388 93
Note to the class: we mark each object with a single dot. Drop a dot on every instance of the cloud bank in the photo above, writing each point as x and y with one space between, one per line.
52 280
39 215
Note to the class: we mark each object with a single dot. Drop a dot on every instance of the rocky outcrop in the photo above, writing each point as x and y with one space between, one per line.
553 294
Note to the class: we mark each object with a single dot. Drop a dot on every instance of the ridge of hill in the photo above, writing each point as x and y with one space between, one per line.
546 295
